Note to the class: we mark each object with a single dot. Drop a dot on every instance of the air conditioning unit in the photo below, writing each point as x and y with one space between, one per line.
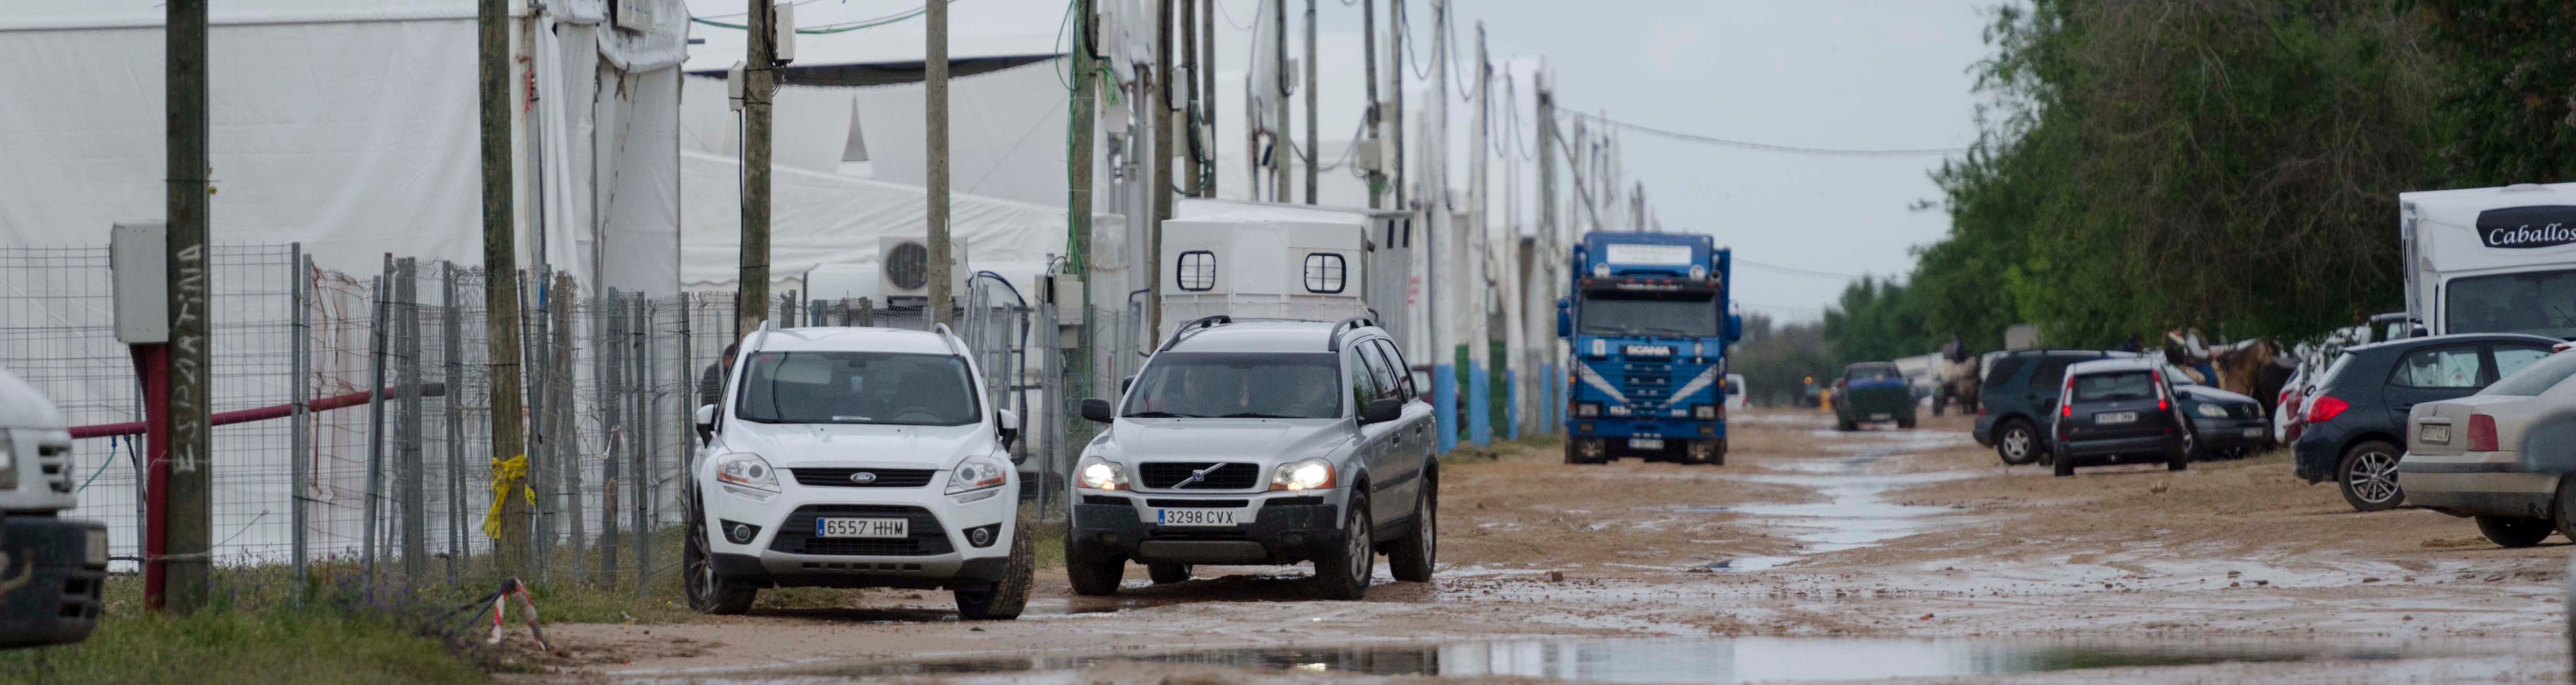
903 275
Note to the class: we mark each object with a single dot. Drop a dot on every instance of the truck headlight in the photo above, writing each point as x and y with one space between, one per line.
1704 412
1587 409
1310 474
977 473
2211 411
1100 474
747 470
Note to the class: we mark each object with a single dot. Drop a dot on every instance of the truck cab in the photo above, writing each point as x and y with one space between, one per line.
2491 260
51 567
1648 326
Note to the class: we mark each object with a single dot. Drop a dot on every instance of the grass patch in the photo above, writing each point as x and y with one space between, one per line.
256 629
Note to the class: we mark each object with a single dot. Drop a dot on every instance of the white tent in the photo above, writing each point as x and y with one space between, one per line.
825 218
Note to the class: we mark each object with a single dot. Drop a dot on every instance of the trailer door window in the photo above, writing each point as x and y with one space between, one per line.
1198 271
2542 303
1325 272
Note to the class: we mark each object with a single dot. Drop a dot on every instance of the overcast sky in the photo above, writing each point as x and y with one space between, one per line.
1812 73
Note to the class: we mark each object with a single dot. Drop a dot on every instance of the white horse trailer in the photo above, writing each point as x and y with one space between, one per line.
2482 260
1254 260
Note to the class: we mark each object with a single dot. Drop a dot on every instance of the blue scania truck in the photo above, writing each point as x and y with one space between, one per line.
1648 325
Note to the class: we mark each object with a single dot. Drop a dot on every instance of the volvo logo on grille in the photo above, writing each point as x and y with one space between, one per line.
1196 476
863 478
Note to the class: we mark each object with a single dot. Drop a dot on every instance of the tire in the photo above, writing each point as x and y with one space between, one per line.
1721 453
1343 573
709 592
1004 599
1907 421
2563 511
2192 448
1410 559
2017 444
1569 452
1166 574
1694 459
2515 531
2368 477
1843 424
1093 572
2063 467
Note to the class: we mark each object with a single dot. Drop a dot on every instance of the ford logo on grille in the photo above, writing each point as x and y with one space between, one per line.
863 478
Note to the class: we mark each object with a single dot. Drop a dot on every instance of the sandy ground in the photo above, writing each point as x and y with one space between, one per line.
1813 555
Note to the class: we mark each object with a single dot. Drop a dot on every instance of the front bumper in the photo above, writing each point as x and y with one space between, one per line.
63 563
1632 427
939 552
2233 433
1272 527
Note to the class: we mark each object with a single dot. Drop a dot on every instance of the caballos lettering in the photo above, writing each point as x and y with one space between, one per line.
2527 227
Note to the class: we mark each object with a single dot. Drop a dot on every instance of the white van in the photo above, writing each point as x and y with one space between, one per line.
1734 391
2491 260
857 457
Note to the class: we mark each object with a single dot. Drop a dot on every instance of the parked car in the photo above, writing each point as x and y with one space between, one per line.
2468 457
2356 411
2220 424
857 457
1734 391
2018 401
2118 410
1270 442
1873 392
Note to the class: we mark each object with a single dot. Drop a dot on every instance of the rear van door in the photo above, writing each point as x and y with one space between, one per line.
2115 404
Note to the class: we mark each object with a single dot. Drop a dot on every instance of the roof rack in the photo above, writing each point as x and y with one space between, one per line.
1333 339
1198 324
949 338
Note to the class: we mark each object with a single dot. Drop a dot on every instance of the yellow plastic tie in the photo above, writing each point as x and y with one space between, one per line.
506 474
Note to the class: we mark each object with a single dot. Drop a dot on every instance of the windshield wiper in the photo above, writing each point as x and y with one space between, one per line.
1254 415
1161 415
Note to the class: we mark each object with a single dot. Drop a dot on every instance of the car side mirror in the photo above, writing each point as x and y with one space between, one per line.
1382 410
1125 383
1096 409
1564 318
1009 423
706 418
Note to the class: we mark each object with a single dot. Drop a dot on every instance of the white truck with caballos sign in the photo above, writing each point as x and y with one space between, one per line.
51 567
2491 260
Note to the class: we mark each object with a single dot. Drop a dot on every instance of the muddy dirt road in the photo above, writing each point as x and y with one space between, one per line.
1814 555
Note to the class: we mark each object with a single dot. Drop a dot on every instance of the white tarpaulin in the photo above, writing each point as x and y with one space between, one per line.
819 218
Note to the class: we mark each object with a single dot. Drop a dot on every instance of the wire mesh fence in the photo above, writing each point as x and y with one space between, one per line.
354 421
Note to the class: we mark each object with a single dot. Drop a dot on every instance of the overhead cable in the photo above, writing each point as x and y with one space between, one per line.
1768 147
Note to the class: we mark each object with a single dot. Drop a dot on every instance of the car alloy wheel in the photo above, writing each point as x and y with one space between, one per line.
1357 538
2374 476
2017 445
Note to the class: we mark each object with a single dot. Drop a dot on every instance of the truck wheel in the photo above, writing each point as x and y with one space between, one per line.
1410 559
1343 572
1003 599
1166 574
2514 531
1701 452
709 592
1093 572
2017 444
1721 453
1907 421
2368 477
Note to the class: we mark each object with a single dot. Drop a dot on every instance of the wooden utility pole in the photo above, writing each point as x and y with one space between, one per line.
501 287
188 511
1157 103
1314 147
759 69
1077 198
935 89
1196 169
1207 89
1368 40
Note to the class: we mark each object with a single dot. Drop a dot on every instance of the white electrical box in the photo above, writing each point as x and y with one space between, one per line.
138 260
733 86
785 26
1370 154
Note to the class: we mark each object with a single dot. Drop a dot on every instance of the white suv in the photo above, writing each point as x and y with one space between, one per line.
856 457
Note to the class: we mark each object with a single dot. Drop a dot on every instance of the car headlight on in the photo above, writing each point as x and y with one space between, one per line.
747 470
1310 474
2211 411
977 473
1587 409
1100 474
1705 411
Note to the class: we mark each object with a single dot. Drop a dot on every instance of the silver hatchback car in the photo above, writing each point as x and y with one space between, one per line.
1260 442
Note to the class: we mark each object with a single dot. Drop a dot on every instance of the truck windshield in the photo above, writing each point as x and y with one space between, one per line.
1199 385
857 387
2541 303
1650 314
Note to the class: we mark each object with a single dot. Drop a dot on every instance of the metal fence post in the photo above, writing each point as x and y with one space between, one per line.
540 548
375 430
564 450
643 388
459 549
538 358
415 529
299 403
611 352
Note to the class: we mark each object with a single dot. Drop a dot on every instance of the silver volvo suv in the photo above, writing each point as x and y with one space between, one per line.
1260 442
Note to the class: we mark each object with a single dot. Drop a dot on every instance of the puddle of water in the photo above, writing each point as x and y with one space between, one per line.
1737 660
1854 515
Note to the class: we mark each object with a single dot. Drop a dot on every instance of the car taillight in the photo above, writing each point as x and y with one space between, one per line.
2482 433
2326 408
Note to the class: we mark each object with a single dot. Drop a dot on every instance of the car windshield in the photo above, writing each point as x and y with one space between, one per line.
1871 373
2542 303
1617 312
1231 385
857 387
2540 376
2117 385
